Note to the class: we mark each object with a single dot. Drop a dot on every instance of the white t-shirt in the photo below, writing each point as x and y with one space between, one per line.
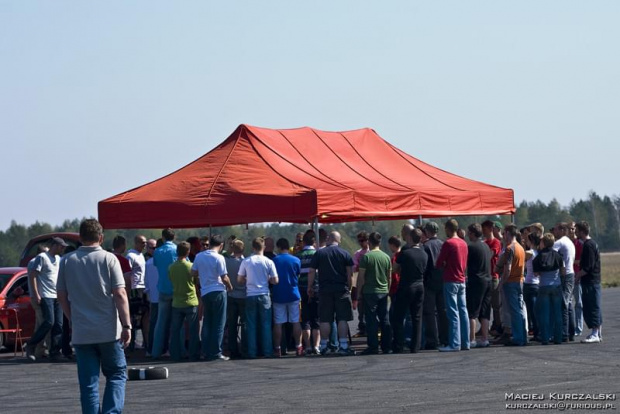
47 266
566 248
211 266
151 278
138 267
258 270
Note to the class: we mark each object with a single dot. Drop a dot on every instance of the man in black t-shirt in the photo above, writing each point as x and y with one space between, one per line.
478 285
335 268
434 312
411 264
590 278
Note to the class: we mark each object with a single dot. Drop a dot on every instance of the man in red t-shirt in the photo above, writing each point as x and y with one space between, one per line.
453 260
496 298
119 245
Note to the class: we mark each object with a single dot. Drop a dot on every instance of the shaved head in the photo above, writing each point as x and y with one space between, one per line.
335 236
406 231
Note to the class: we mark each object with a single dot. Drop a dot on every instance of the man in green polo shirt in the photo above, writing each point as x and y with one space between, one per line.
184 305
374 284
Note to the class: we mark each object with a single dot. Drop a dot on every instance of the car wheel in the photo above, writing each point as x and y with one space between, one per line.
149 373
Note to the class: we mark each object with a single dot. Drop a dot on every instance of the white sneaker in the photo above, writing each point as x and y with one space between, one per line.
591 339
482 344
473 344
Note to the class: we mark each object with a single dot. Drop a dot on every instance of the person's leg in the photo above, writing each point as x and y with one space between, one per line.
38 318
515 298
543 312
372 330
88 362
206 332
264 315
463 316
114 368
528 289
47 312
277 337
578 308
178 317
152 323
362 327
293 319
442 315
399 308
474 298
219 321
232 321
452 313
496 304
56 333
251 304
429 315
568 282
485 313
416 303
191 315
162 328
556 313
384 321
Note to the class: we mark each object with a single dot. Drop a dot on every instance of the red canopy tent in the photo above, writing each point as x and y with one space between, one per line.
299 175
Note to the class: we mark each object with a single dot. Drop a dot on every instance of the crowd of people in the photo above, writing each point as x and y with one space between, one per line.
275 298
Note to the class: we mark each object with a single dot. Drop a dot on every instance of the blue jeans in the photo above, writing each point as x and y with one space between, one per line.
376 312
179 316
458 318
152 323
52 321
513 291
578 308
213 323
161 340
110 357
258 319
568 313
549 313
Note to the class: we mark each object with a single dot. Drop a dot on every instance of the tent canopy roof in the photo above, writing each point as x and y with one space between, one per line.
294 175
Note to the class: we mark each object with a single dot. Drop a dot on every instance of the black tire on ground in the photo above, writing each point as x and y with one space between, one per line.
148 373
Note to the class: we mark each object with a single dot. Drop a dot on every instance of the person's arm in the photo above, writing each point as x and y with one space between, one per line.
389 277
32 276
360 279
273 274
349 276
441 259
241 279
226 282
122 306
311 276
195 273
63 299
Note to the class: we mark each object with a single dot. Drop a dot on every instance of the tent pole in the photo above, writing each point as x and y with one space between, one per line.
420 220
210 232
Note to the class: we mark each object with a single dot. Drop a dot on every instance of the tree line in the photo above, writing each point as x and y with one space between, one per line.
603 214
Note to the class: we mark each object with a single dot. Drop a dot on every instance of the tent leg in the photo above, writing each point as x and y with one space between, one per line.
420 220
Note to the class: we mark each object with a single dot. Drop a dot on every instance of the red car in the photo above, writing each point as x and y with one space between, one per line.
14 294
32 248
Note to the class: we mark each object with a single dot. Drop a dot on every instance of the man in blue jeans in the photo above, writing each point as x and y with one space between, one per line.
210 267
163 257
45 273
453 260
257 272
91 291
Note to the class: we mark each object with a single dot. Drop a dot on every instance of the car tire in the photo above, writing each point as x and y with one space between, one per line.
148 373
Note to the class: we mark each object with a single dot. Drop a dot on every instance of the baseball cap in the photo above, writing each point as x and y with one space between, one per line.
58 240
498 224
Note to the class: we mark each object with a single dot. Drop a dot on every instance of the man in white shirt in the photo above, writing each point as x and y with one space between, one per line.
210 267
257 272
137 304
43 280
565 246
151 278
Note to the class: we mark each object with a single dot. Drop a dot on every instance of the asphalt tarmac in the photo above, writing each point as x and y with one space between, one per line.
475 381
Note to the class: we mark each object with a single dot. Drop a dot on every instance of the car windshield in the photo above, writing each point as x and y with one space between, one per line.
4 279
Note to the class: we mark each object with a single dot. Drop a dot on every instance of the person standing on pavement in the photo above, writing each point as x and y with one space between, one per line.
163 257
590 278
335 268
91 291
43 279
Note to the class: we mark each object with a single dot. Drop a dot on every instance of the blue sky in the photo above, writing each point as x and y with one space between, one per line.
98 98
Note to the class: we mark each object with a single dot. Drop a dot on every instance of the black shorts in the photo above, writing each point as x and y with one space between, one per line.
138 303
335 302
478 296
309 311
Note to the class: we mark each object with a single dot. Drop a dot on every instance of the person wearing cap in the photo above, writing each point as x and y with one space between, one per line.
434 307
43 280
